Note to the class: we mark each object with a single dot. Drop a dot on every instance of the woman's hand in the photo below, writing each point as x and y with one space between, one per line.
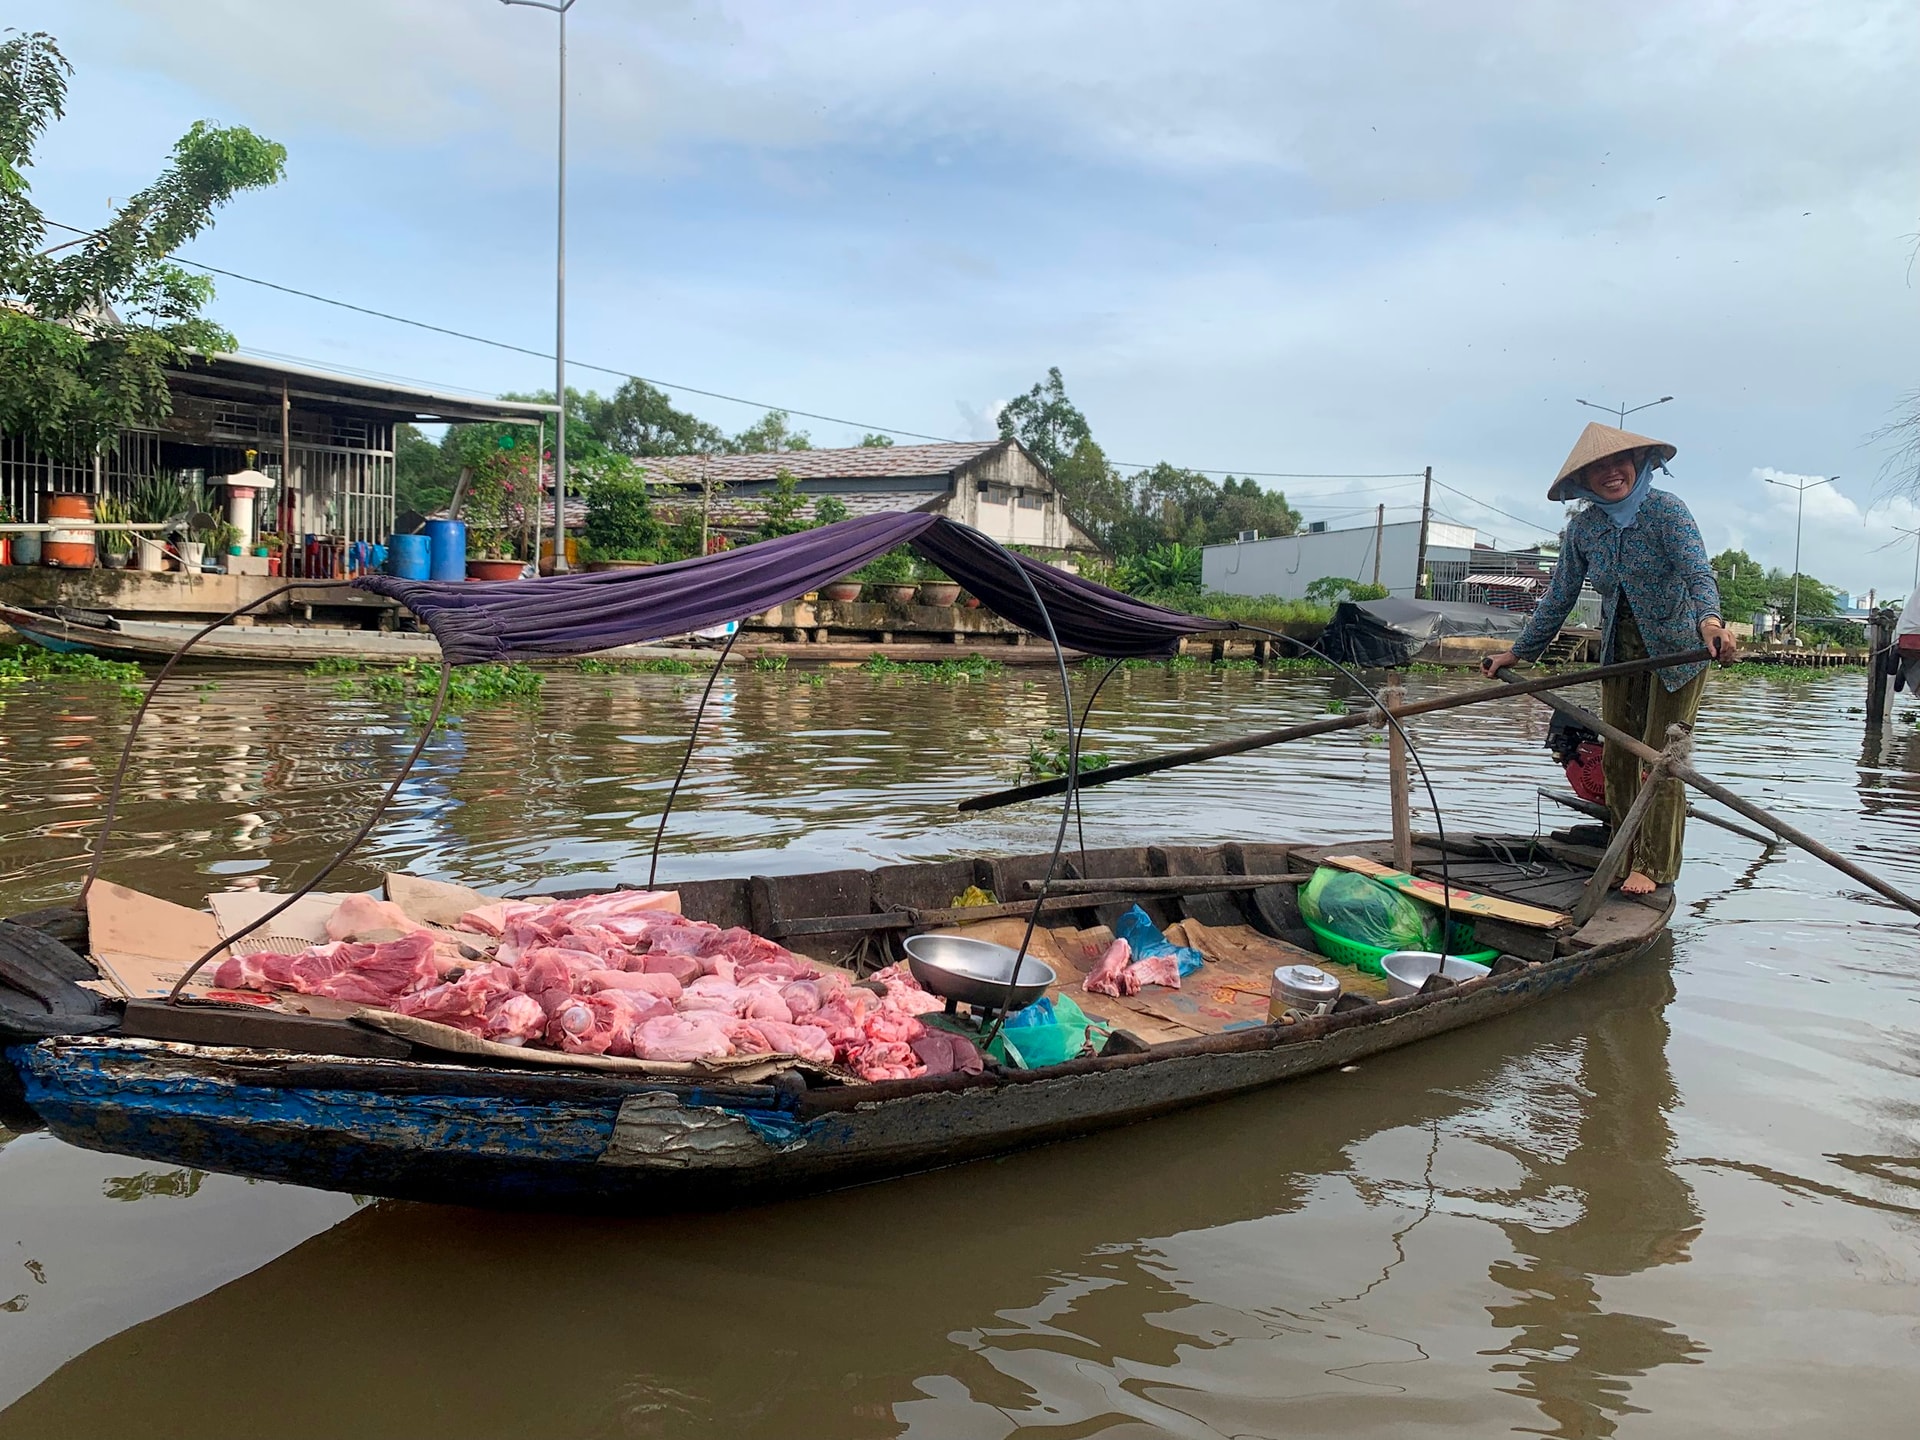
1492 665
1719 640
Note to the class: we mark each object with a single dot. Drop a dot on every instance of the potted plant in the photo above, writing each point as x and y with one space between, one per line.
225 540
492 517
936 588
159 499
115 545
621 531
891 578
842 591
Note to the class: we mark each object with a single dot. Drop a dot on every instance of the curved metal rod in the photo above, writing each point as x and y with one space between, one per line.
406 769
1067 808
1439 824
1079 818
693 736
133 726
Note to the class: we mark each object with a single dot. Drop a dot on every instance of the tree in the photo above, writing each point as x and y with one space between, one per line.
768 435
421 482
1332 589
1093 491
876 442
89 328
639 420
1045 421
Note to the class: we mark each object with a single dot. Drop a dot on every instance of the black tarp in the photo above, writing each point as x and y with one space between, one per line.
1393 631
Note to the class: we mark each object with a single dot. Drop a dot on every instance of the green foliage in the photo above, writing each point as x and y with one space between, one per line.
876 442
1093 491
1332 589
1747 587
899 566
414 684
783 512
157 499
769 434
829 510
655 665
620 521
969 667
769 664
1048 757
111 510
89 329
1045 421
639 420
23 663
334 665
1169 571
1788 674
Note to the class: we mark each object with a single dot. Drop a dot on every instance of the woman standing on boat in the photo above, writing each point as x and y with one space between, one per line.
1640 548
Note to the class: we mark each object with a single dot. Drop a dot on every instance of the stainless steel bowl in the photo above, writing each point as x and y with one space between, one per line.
975 971
1408 970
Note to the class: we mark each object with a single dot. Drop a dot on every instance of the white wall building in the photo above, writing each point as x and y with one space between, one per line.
1286 564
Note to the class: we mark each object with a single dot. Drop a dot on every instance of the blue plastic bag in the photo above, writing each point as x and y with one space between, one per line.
1050 1030
1144 939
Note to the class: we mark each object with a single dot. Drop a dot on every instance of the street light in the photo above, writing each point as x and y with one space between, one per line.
559 8
1800 508
1619 410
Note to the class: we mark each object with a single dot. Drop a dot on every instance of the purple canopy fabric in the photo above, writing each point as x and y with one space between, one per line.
579 613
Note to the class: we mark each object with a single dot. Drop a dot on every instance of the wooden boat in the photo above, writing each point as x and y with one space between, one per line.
336 1105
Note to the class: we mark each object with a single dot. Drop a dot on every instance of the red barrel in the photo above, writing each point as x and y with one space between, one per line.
69 549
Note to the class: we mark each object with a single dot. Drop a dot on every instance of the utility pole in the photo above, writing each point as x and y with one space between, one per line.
1420 558
559 8
1800 510
1379 533
1622 411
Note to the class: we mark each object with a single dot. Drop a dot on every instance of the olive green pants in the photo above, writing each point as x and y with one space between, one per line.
1641 705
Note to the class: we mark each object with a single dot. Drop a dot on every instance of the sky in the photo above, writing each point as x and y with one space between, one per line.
1292 238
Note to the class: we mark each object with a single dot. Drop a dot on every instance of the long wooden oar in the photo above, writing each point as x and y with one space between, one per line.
1694 812
1680 769
1352 720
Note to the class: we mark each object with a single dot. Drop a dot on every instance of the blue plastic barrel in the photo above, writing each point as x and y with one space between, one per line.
408 557
447 549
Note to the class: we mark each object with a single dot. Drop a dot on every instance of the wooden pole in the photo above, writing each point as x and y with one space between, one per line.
283 521
1879 647
1397 785
1684 771
1694 812
1350 721
1420 559
1620 847
1379 534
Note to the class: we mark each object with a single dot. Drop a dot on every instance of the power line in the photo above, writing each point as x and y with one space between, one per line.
1530 524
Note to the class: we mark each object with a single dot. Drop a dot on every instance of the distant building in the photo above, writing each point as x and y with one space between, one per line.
1284 565
996 486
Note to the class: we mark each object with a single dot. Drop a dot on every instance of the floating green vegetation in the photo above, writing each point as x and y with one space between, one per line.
1793 674
25 663
469 687
969 667
1047 757
335 665
656 665
768 664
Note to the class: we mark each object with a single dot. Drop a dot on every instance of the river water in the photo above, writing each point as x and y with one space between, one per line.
1680 1202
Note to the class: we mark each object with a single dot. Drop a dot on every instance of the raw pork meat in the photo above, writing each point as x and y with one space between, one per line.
664 986
944 1053
808 1042
1110 976
515 1020
367 974
684 968
906 993
1162 969
681 1037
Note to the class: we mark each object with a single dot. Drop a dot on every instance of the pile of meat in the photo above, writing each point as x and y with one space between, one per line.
1114 976
617 974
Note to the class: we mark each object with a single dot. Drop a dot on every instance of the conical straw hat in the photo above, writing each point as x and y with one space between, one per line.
1597 442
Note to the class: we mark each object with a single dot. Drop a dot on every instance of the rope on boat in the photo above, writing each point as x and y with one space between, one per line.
146 701
693 736
353 843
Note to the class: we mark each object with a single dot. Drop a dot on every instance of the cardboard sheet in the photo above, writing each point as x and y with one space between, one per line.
143 945
304 921
434 902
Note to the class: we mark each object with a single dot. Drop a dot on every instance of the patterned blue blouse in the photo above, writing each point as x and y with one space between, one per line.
1660 565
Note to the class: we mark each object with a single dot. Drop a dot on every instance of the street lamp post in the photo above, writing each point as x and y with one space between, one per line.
1621 410
1800 509
559 8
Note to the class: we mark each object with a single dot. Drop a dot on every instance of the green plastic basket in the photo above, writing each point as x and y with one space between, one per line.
1368 957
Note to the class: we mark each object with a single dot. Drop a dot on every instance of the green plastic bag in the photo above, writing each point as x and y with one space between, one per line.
1050 1030
1358 907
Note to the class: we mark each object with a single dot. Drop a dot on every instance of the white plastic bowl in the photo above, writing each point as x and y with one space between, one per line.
1408 970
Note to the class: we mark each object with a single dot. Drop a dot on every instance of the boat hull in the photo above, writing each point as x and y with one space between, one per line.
431 1132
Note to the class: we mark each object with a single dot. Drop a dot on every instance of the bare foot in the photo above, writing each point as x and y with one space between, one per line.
1637 883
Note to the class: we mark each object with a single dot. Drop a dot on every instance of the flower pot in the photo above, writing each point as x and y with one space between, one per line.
841 591
151 555
972 602
6 550
116 559
26 548
892 594
273 563
939 592
495 569
193 554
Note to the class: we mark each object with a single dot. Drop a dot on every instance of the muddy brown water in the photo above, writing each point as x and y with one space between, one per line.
1680 1202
